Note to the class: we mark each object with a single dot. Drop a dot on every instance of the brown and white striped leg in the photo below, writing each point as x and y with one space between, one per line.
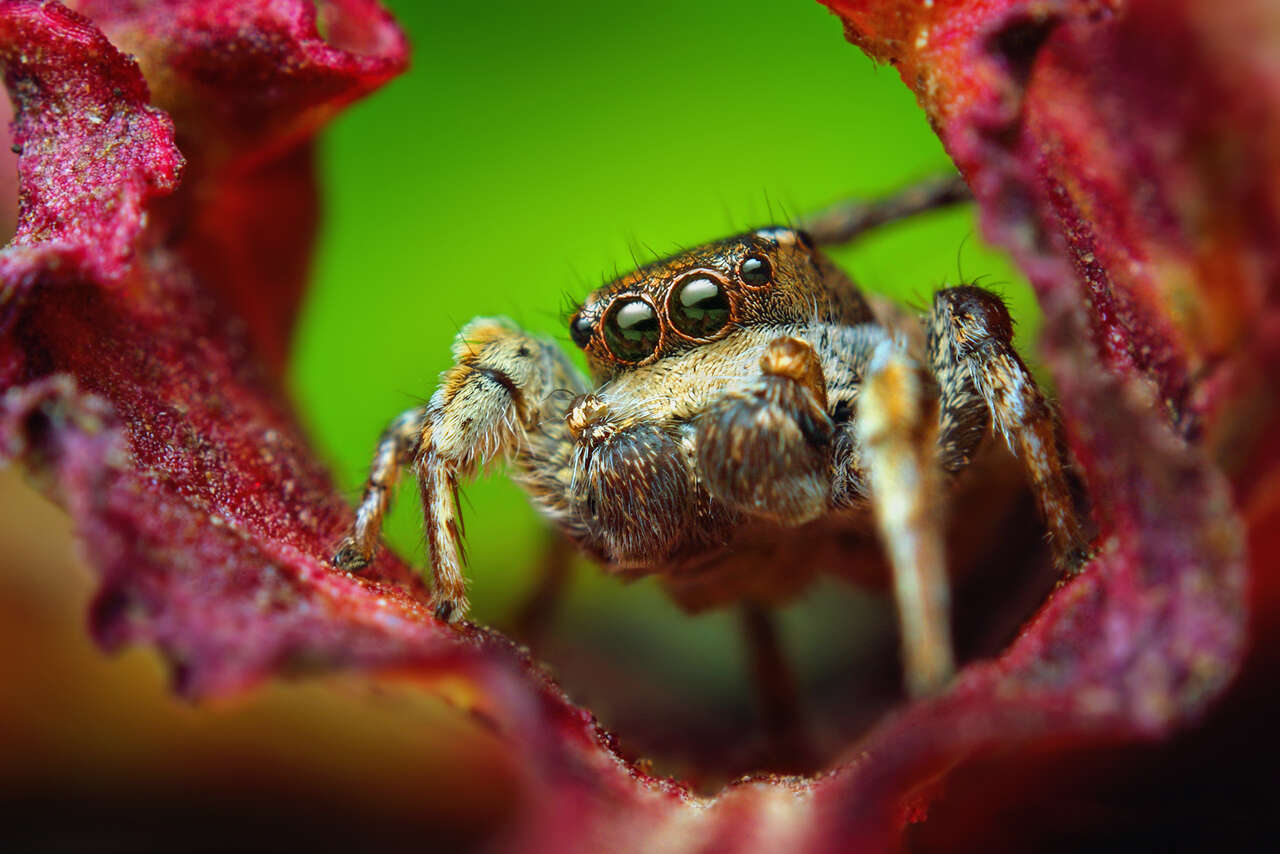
495 392
397 448
896 429
982 380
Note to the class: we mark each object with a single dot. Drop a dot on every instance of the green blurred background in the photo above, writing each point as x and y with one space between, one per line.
533 151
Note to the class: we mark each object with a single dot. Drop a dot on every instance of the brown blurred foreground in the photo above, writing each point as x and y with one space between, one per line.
95 754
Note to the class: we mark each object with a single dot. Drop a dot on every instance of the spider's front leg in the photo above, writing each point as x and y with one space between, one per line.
495 392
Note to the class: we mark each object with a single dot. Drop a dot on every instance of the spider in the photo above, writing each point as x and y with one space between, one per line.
747 405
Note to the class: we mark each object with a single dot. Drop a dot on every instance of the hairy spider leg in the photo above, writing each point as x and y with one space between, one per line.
497 390
777 692
897 432
535 613
396 449
983 380
981 383
848 220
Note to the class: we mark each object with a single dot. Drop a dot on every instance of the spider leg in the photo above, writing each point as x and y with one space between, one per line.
896 430
485 404
396 449
777 694
846 221
537 610
983 380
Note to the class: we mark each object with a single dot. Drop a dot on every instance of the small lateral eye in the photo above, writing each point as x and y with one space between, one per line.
580 329
699 307
755 271
632 330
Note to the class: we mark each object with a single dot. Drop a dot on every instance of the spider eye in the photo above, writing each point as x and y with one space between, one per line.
632 330
580 329
699 307
755 271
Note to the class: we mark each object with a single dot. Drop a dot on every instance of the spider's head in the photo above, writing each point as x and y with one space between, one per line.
770 276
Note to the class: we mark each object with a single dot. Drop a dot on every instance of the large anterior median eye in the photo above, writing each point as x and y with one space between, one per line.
632 330
699 307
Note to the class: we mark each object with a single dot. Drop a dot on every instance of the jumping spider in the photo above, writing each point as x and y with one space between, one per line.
747 403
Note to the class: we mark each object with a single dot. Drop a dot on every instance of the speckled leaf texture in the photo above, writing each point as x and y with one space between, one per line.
1126 153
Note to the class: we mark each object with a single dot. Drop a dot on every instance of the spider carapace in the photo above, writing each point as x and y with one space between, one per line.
746 402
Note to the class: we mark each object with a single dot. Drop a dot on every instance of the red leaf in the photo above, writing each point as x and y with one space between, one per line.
219 479
1125 154
60 125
